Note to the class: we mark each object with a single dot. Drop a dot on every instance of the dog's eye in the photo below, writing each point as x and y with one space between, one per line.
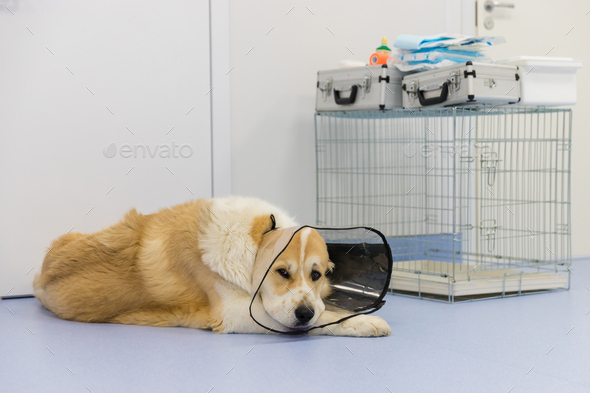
315 275
284 273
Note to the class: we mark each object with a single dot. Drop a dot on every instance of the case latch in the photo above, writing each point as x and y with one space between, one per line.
412 91
326 88
366 85
454 82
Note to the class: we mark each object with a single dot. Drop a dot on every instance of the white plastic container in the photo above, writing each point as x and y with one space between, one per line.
548 81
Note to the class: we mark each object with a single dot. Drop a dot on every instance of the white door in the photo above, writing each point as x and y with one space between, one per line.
556 29
534 28
104 106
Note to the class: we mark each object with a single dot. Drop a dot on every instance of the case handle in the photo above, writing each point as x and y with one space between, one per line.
348 100
434 100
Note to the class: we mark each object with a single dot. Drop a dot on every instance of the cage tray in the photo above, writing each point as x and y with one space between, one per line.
427 278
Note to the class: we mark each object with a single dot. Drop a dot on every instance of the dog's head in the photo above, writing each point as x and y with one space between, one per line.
293 289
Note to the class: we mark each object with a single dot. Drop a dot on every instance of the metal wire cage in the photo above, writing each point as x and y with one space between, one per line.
474 201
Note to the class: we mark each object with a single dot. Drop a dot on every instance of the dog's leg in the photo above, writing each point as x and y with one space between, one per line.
359 326
190 317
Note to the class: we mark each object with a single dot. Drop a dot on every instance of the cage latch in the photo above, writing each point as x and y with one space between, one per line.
489 165
326 88
487 230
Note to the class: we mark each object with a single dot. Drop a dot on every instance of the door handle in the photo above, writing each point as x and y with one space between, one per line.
489 5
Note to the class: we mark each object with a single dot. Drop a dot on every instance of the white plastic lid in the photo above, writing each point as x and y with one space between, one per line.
542 61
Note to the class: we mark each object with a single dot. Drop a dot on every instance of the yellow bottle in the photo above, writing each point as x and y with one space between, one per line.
382 54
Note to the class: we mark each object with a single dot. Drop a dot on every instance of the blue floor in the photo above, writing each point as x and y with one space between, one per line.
537 343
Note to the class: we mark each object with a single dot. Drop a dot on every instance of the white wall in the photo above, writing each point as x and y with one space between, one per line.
273 85
75 78
575 44
539 28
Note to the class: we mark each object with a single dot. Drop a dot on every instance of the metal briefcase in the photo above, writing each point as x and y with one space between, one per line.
462 84
359 88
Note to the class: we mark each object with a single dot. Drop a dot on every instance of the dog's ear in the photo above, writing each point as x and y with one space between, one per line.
260 225
330 269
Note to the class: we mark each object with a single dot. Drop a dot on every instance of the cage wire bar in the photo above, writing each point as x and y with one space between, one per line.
474 201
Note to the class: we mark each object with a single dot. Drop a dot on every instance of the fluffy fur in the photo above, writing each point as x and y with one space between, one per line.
230 241
191 265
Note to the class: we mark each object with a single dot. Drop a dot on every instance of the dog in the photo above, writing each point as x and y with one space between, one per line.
193 265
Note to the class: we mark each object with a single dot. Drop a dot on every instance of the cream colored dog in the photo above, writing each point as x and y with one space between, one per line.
192 265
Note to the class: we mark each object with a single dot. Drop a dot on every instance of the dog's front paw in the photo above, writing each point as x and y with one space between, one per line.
363 326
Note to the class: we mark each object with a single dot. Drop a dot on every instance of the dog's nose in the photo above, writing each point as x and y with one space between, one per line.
303 314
